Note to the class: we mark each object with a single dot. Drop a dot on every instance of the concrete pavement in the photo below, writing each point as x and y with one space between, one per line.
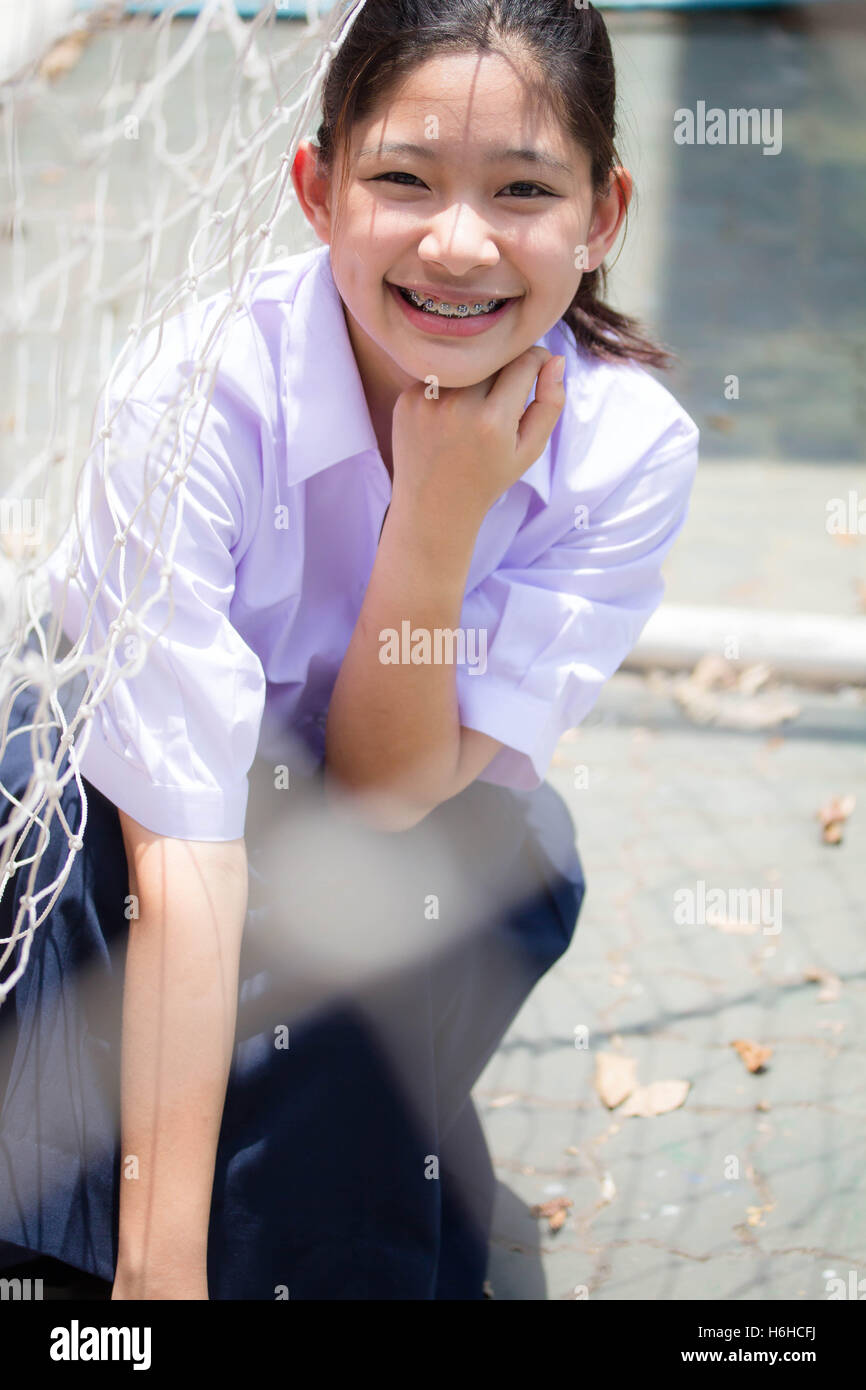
754 1187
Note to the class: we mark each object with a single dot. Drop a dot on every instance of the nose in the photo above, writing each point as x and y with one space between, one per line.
459 240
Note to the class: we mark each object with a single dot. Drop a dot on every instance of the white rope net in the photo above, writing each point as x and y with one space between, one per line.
142 229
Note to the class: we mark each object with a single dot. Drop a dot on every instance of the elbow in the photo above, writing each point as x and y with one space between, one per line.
381 809
396 818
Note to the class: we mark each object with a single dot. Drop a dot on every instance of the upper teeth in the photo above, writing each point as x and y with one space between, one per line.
450 310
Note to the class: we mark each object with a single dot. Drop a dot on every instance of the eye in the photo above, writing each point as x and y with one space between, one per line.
401 174
542 192
397 174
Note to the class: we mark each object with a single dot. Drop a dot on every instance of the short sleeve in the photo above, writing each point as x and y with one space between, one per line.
557 628
172 743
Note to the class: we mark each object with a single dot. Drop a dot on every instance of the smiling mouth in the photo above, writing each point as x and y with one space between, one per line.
440 309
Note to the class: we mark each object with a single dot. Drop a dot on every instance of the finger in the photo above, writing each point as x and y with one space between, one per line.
514 380
540 417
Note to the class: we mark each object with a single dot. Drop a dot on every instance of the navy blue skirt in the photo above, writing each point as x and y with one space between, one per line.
351 1162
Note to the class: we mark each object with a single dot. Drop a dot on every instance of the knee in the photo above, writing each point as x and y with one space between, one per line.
564 892
547 925
569 894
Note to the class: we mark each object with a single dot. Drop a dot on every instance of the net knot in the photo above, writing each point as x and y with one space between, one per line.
76 842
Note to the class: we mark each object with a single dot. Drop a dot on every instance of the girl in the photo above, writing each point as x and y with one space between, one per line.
430 429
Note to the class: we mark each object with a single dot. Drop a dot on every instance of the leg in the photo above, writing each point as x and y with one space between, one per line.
59 1073
523 853
479 988
320 1189
351 1163
468 1185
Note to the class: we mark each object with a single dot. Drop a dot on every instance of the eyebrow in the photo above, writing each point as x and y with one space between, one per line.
494 156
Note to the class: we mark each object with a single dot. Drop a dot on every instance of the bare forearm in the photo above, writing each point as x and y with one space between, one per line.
179 1015
395 727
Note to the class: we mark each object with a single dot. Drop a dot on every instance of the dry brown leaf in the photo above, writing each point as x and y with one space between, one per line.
615 1077
711 672
556 1211
753 1054
656 1099
753 677
705 703
831 985
833 815
837 808
551 1207
755 1215
758 711
62 56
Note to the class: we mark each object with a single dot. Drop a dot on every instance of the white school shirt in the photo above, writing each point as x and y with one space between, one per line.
284 500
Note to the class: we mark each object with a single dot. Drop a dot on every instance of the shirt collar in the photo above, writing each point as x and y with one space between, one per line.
325 409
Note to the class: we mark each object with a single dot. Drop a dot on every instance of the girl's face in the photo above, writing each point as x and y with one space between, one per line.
493 201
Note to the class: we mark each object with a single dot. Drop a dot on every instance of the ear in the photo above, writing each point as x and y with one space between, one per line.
313 188
609 209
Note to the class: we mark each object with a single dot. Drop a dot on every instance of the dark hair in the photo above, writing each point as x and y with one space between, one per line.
571 70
